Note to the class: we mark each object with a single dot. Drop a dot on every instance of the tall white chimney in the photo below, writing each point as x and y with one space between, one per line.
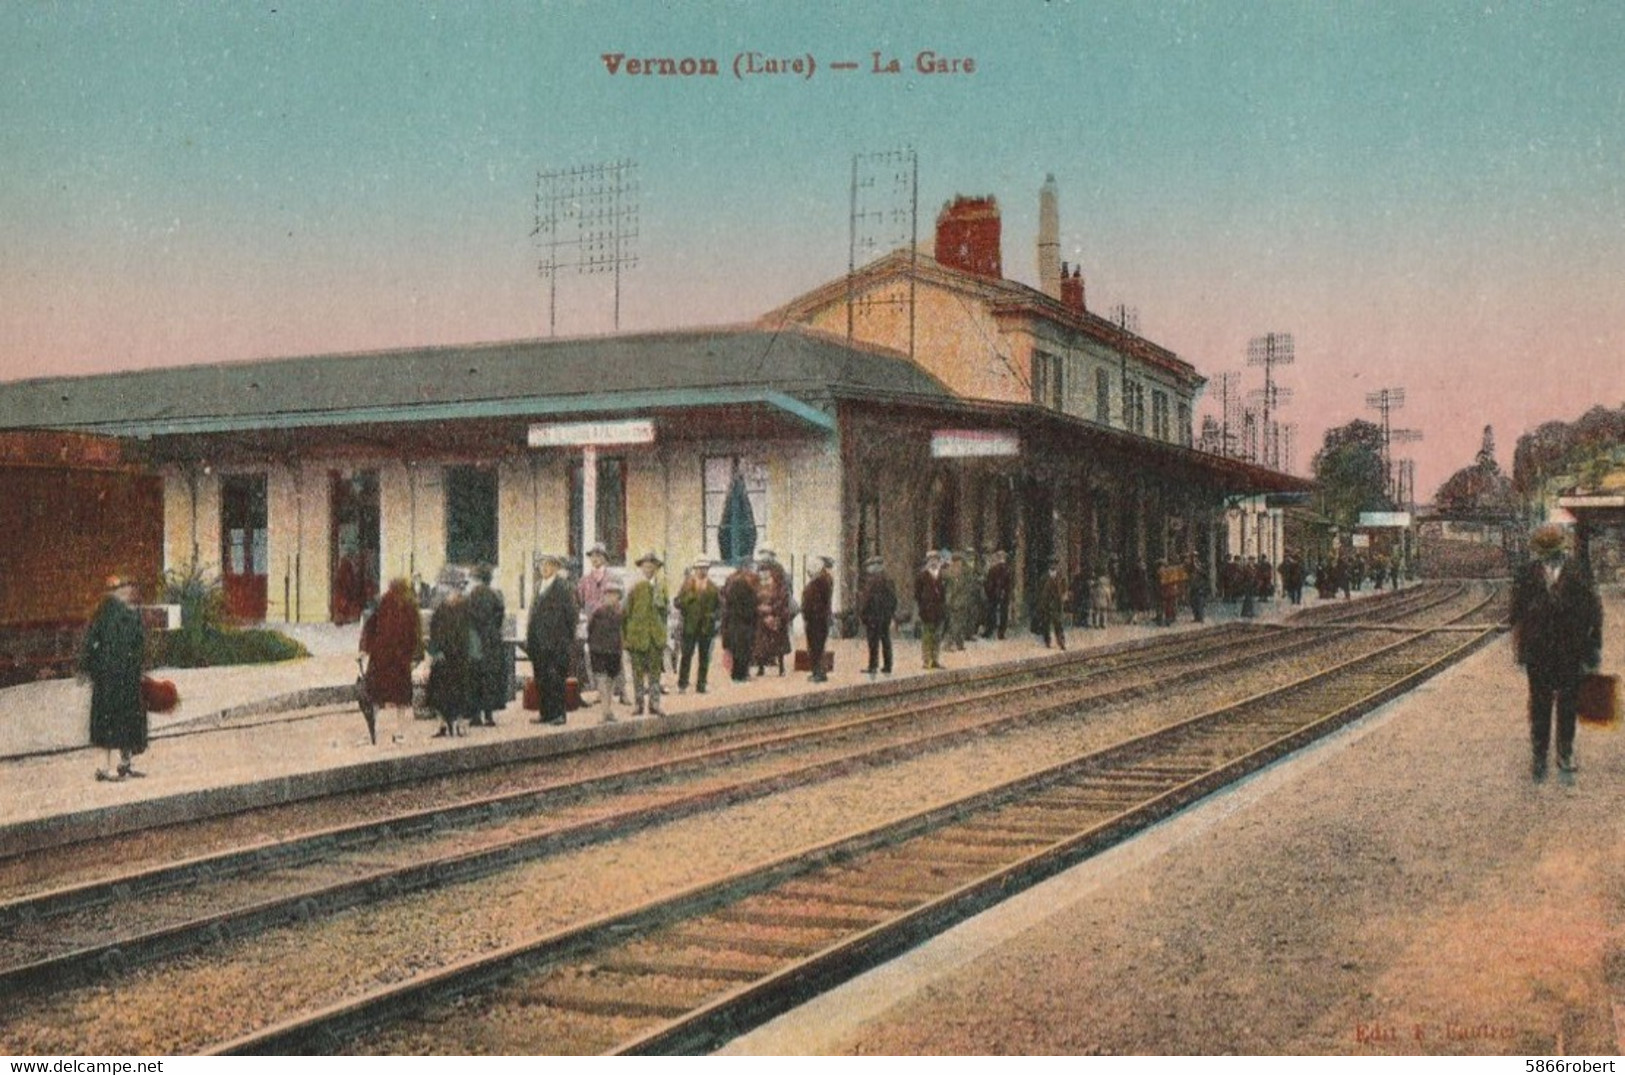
1049 239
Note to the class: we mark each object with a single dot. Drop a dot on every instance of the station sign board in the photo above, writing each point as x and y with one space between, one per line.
1361 541
1381 519
973 443
584 434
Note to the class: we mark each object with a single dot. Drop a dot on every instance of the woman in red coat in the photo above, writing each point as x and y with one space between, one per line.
392 639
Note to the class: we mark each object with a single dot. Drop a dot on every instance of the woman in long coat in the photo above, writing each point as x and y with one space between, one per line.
739 620
772 640
451 679
392 639
114 648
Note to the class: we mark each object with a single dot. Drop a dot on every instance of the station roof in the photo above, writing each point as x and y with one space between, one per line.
792 371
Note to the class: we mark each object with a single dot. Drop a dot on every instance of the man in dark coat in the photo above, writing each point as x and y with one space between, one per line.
877 605
698 601
1200 587
114 649
817 599
997 588
1557 633
549 636
739 620
931 602
488 612
1051 610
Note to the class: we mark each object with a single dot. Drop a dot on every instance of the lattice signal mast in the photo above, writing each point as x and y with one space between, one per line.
1385 401
586 220
1126 317
885 215
1270 350
1229 413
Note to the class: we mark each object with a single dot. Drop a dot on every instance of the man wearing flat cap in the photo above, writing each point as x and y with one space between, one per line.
877 605
697 602
931 602
817 597
1557 635
591 591
646 607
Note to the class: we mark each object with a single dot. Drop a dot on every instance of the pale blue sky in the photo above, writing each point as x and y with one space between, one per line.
1425 194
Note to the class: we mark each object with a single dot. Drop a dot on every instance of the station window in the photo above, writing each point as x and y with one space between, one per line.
1159 416
735 495
610 518
1048 380
471 515
1184 431
1103 396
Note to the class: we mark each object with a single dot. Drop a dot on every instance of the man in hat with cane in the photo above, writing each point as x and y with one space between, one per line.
1557 634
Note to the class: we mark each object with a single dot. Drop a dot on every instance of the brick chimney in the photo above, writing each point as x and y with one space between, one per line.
968 236
1072 287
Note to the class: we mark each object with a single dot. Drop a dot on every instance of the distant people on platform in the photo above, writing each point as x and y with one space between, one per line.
550 635
877 607
392 639
997 588
1141 584
1171 585
1102 599
492 666
1079 606
773 612
605 642
739 595
1198 588
454 649
698 601
646 606
961 601
590 594
1557 636
1051 608
1292 575
1264 578
817 605
931 605
111 658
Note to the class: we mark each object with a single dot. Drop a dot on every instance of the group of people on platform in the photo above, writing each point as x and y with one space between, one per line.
601 632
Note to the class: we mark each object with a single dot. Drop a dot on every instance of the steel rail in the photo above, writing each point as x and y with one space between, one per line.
329 1028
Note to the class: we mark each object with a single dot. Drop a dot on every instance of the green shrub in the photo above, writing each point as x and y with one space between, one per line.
217 647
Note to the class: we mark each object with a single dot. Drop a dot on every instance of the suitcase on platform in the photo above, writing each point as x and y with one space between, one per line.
533 697
804 661
1599 702
572 693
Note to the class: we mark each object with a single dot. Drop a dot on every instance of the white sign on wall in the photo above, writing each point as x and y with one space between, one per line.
583 434
1385 518
969 443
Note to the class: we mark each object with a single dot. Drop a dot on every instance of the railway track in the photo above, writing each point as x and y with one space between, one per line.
686 973
1124 674
209 899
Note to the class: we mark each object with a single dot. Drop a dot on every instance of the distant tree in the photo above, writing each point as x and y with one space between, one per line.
1557 449
1349 470
1477 491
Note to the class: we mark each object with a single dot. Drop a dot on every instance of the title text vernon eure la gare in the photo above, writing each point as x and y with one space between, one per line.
750 64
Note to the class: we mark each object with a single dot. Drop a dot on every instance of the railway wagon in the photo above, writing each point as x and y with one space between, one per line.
76 510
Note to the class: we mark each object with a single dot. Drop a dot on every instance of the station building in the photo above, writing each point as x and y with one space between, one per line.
923 401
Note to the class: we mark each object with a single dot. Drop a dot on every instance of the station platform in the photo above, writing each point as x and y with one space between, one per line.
1401 887
241 738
